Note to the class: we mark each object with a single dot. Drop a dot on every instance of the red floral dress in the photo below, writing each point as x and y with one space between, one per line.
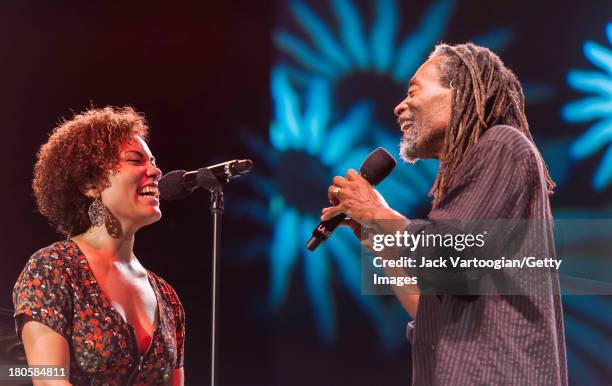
57 288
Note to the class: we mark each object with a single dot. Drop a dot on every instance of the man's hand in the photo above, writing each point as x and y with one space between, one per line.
355 227
355 197
365 207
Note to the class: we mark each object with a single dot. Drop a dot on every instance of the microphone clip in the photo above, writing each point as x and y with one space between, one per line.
207 180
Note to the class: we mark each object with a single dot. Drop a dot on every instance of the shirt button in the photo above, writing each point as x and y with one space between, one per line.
433 347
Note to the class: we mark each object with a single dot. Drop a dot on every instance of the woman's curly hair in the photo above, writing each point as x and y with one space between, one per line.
80 153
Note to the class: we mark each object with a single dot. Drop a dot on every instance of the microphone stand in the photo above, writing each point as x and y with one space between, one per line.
208 181
216 208
180 184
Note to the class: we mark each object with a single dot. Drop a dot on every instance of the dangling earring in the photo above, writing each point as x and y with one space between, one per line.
97 212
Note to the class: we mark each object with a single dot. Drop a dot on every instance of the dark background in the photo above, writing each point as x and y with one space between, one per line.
200 73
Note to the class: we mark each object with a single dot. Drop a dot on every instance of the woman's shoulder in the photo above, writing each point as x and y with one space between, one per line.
53 264
43 290
59 256
166 289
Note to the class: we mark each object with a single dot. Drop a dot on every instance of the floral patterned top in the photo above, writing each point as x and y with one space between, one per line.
58 288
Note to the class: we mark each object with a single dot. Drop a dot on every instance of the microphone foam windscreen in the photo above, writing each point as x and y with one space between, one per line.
171 186
377 166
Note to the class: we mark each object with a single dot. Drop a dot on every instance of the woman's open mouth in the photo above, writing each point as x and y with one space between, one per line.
149 191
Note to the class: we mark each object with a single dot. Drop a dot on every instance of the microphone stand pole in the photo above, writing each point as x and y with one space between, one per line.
206 180
180 184
216 208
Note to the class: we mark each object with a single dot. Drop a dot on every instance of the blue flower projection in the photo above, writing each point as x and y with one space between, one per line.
357 52
597 107
324 124
308 148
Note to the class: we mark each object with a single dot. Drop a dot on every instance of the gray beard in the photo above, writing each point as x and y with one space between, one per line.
408 150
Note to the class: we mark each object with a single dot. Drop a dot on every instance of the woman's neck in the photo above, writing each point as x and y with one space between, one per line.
119 250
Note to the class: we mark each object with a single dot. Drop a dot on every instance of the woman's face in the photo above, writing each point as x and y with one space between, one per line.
133 196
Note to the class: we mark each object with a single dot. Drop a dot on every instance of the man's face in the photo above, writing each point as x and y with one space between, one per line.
424 114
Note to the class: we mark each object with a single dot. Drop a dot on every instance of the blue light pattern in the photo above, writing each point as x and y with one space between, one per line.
302 129
307 122
596 107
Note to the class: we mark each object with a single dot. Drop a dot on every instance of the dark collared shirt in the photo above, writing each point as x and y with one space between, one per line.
493 339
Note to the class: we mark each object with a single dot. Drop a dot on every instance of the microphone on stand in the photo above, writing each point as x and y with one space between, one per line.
178 184
376 167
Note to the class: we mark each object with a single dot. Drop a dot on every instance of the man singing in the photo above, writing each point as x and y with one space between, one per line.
465 108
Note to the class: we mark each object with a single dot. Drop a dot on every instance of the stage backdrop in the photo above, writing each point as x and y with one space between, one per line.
306 89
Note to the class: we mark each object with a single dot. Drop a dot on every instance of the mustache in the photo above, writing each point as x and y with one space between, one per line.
400 120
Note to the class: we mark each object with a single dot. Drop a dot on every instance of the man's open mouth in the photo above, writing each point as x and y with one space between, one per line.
407 124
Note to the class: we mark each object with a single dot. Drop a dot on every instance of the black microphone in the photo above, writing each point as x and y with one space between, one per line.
179 184
376 167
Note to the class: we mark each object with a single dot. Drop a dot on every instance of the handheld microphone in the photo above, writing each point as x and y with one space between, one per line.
178 184
376 167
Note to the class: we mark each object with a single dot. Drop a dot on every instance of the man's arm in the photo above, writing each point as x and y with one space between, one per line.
365 205
409 302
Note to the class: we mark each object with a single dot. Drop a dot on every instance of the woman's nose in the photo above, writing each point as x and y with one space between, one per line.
154 172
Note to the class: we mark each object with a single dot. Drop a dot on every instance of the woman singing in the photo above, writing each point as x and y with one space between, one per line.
87 303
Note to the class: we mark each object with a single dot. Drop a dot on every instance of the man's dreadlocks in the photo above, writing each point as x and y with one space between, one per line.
485 93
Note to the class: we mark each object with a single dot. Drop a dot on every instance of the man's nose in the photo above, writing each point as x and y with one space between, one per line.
400 108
